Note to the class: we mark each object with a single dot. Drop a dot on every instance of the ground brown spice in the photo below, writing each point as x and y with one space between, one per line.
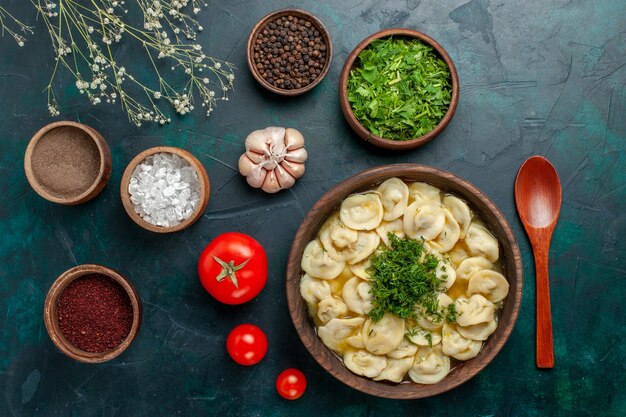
66 161
94 313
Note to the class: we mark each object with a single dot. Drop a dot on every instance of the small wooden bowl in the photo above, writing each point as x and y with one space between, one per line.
205 188
480 203
51 318
302 14
354 123
104 169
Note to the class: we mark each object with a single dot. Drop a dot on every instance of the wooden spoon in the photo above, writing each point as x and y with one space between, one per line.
538 199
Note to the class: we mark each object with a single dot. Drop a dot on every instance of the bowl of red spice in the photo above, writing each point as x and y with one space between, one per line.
289 51
92 313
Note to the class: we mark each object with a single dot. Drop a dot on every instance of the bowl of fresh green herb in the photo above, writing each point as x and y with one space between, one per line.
398 89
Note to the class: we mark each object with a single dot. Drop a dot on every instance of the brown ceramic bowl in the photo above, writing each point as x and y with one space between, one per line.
205 189
81 134
354 123
52 324
480 203
303 14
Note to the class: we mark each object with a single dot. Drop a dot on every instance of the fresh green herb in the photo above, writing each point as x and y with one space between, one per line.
450 313
402 281
412 331
401 89
429 337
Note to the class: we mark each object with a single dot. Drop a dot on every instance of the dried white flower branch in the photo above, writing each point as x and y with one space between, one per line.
13 27
84 34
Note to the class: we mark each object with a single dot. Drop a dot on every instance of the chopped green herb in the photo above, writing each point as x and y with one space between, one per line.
450 313
411 331
429 337
400 89
402 281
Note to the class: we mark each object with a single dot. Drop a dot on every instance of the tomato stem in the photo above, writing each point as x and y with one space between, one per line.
229 269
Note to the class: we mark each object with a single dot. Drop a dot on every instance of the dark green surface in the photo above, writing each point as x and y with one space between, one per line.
537 77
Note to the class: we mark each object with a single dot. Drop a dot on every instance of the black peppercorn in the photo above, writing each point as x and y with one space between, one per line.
289 52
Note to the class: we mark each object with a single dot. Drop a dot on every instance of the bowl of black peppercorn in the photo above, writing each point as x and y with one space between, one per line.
289 52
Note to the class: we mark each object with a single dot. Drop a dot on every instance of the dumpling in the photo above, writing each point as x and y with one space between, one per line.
356 340
364 363
330 308
394 195
445 271
334 333
471 265
430 366
362 211
404 349
396 370
480 242
460 211
424 221
356 295
383 336
433 323
337 239
345 244
365 245
423 337
478 331
360 268
448 236
423 193
317 262
491 284
313 290
457 255
475 310
396 227
455 345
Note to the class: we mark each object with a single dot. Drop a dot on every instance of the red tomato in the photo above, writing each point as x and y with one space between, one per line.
246 344
291 384
233 268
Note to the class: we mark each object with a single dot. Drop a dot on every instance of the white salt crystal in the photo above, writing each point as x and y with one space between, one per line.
173 178
164 189
169 191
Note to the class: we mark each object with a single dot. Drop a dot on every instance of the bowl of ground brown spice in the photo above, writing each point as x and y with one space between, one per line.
92 313
67 162
289 51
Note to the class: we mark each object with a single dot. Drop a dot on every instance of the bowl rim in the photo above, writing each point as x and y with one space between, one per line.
261 24
205 188
104 170
318 214
354 122
51 321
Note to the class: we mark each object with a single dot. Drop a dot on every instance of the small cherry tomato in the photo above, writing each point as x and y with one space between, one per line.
233 268
291 384
246 344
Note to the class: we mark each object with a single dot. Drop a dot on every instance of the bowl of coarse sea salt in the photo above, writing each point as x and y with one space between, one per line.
165 189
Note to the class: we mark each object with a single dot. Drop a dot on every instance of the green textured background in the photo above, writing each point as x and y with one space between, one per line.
537 77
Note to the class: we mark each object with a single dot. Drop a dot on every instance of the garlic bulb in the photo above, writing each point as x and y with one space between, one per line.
274 158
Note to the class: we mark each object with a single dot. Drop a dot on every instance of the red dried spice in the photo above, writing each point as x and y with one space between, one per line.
95 313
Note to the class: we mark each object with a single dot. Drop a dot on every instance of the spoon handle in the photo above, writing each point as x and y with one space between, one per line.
545 349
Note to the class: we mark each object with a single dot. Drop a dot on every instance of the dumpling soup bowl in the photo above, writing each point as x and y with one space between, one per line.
482 207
